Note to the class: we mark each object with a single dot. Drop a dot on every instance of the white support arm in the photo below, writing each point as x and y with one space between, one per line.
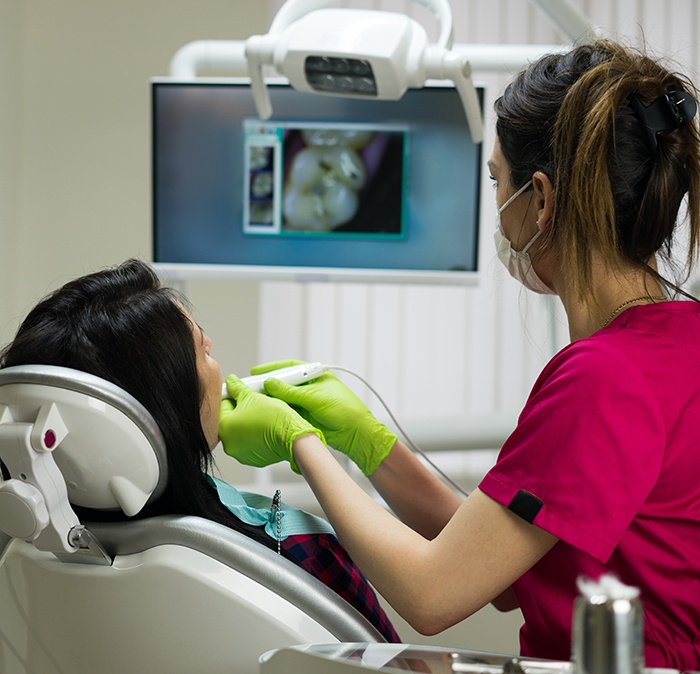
568 19
37 492
34 503
208 55
229 56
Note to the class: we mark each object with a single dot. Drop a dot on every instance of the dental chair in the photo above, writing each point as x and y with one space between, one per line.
164 594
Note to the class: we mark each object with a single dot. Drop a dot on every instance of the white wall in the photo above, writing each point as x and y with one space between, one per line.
437 353
476 350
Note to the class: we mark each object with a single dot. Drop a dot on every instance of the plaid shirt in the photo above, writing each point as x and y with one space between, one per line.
326 559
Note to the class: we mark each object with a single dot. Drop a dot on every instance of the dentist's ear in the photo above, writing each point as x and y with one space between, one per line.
544 198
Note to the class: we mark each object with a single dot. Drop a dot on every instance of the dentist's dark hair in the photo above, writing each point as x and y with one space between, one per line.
122 325
570 116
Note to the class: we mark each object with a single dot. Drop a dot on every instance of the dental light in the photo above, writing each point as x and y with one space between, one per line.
370 53
358 54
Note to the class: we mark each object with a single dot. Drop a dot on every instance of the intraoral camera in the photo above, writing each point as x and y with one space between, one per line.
358 54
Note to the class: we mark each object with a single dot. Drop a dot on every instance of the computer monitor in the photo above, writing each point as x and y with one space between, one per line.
329 188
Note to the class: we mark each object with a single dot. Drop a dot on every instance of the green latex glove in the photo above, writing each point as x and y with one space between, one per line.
334 409
258 430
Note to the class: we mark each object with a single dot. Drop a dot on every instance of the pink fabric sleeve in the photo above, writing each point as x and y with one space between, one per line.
587 449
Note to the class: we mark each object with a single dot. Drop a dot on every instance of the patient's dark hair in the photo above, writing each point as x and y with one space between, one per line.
120 324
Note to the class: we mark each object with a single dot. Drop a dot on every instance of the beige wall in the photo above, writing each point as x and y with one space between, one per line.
10 59
75 144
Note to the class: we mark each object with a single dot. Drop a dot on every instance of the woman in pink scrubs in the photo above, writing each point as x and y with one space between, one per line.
596 151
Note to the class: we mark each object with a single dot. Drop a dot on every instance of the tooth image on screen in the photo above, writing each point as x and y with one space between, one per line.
262 184
259 157
354 138
261 211
321 190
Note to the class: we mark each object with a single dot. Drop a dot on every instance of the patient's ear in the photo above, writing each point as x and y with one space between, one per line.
544 198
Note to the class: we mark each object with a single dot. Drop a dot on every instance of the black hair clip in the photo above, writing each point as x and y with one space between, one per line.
667 113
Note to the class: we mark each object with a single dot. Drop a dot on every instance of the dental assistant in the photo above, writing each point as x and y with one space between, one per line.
596 151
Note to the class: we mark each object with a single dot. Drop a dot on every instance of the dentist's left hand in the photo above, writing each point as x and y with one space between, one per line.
258 430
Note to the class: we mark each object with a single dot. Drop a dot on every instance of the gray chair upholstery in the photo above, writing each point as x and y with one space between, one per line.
245 555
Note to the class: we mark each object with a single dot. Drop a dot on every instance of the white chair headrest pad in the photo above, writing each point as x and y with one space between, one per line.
113 455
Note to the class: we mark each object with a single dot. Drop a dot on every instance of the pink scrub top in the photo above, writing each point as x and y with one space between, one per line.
606 457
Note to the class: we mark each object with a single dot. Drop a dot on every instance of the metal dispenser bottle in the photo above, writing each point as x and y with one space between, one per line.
608 629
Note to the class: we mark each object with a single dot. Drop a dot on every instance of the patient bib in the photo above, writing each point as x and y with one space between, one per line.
258 510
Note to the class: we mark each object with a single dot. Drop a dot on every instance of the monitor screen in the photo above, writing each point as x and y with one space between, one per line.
328 188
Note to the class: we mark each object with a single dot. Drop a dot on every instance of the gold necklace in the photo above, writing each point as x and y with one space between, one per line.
624 305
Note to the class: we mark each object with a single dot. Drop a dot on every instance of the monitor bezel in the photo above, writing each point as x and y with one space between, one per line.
183 271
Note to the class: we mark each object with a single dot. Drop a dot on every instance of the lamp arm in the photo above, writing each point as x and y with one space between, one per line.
568 19
199 55
441 9
505 58
451 65
295 9
259 50
470 100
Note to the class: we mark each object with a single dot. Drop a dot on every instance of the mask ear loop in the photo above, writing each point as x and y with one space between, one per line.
667 113
513 197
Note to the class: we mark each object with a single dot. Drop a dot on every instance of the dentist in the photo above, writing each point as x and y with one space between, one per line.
596 152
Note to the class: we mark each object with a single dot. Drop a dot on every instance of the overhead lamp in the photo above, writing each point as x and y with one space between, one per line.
358 53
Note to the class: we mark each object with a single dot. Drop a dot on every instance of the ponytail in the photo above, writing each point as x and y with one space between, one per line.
573 117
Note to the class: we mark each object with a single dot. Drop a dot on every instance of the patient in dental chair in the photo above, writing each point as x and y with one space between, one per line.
121 325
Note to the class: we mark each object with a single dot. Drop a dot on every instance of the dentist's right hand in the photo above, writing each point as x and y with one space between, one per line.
258 430
342 417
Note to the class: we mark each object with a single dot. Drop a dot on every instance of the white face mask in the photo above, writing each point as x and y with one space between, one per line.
518 262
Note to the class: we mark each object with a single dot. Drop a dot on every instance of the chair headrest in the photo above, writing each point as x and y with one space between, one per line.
113 454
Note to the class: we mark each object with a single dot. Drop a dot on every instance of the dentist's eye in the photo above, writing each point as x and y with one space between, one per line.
494 182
